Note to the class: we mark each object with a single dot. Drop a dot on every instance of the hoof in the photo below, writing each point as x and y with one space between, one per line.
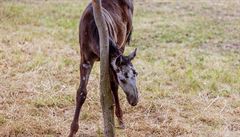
71 135
74 129
121 126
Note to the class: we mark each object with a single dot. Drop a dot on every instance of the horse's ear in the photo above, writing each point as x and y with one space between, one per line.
132 55
119 61
113 50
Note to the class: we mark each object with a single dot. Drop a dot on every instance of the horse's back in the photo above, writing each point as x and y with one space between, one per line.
118 21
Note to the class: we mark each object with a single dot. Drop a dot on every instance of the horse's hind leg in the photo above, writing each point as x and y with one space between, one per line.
85 70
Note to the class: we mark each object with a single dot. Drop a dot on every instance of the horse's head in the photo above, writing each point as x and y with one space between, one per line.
126 75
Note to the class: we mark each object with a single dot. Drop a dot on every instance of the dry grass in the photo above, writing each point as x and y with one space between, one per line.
188 64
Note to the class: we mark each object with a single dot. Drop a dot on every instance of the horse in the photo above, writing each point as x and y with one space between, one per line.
118 17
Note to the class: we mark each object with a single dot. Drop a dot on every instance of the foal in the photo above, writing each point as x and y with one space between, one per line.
118 16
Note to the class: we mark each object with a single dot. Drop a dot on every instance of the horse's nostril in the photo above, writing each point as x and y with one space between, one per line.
134 103
132 100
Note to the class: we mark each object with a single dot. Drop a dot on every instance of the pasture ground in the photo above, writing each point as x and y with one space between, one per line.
188 63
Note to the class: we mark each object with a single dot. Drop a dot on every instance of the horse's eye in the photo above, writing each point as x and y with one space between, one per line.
126 75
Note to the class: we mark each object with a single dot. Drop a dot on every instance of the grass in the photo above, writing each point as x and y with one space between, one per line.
188 63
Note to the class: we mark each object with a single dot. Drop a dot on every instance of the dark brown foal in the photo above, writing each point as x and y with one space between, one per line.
118 16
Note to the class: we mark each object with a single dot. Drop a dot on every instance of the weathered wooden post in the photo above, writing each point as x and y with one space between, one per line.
105 90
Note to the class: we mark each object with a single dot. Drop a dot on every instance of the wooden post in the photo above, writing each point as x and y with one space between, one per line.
105 90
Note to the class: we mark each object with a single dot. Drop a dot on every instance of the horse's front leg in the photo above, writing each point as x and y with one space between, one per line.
118 110
85 70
